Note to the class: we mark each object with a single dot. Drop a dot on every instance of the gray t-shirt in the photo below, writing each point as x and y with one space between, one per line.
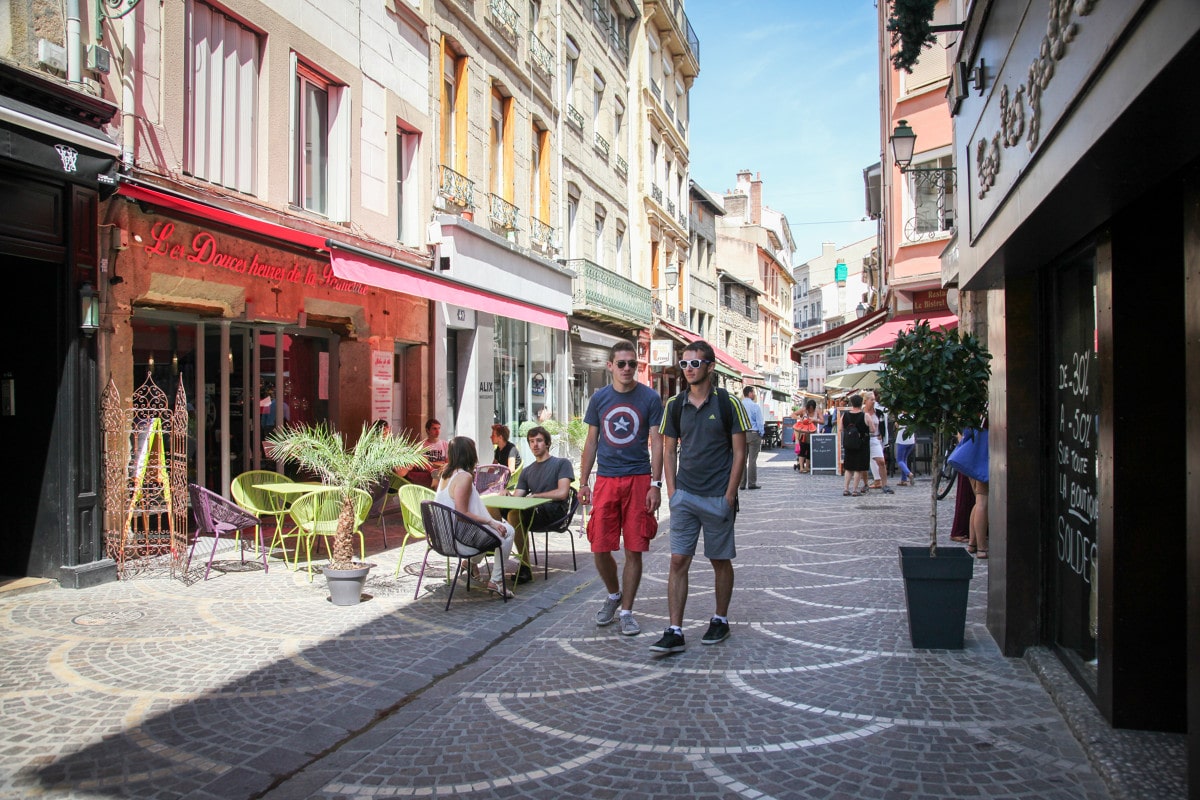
705 452
543 476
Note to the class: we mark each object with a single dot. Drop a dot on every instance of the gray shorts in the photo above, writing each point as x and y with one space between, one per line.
690 513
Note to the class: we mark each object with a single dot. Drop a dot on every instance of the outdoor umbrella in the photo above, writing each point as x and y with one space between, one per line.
859 376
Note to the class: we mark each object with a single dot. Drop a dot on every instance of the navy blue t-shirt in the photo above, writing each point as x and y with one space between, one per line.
624 421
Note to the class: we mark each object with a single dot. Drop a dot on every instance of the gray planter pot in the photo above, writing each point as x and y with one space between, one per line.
935 590
346 585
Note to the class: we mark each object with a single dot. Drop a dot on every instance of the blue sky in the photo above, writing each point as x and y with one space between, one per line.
789 89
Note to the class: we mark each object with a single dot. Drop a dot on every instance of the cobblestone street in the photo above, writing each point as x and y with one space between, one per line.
253 685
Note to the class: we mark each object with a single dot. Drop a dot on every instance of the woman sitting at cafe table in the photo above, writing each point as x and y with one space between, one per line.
457 490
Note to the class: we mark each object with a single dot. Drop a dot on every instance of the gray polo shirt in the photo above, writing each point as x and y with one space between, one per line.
705 452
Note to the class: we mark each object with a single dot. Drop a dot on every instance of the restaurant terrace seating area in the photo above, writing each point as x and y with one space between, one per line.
271 523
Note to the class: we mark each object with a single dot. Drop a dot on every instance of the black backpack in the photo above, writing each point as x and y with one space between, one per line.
676 411
852 436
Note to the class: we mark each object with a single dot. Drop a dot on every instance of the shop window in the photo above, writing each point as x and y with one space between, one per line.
221 107
320 141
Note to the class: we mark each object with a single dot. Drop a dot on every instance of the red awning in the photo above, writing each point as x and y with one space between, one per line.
233 219
841 332
869 349
723 358
397 277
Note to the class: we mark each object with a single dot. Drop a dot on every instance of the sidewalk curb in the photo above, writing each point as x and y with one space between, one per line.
1134 765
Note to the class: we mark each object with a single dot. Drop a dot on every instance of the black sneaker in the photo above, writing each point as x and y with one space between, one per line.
524 575
717 632
671 642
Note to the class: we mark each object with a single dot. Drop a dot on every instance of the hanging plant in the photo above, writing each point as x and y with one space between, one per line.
911 29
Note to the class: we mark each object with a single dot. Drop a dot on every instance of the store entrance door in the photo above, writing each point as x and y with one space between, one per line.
30 378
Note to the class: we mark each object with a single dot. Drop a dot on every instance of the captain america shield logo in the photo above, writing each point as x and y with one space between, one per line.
621 425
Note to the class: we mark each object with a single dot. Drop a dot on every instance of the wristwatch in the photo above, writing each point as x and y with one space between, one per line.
656 484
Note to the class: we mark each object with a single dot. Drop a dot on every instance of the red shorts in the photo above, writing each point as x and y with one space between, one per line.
619 506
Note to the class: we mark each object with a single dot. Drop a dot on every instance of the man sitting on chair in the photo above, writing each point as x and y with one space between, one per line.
547 476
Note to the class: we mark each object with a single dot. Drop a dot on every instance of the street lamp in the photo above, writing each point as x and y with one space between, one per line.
89 310
672 275
904 143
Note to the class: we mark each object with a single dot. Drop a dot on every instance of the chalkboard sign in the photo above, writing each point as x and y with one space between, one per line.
1075 438
823 452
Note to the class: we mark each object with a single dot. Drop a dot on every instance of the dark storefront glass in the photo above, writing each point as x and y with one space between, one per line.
1073 545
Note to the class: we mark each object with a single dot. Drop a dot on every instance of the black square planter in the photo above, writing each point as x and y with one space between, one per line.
936 593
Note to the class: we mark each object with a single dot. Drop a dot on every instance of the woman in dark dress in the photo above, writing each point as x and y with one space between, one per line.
856 461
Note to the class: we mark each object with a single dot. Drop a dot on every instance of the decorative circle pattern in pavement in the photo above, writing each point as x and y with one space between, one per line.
252 684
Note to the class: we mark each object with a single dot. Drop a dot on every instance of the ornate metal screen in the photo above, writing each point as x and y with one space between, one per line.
145 472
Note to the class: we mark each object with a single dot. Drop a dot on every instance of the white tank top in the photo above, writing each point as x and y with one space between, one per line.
474 504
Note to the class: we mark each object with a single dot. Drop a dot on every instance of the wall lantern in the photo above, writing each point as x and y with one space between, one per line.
672 275
89 310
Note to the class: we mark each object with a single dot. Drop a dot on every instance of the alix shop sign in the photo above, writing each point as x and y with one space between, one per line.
206 249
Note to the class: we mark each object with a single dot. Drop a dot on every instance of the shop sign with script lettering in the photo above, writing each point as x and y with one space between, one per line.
205 248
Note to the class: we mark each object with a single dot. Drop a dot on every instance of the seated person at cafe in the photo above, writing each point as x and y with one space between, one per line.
435 454
505 452
546 476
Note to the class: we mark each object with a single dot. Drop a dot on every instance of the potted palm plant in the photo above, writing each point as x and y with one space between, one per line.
939 380
322 451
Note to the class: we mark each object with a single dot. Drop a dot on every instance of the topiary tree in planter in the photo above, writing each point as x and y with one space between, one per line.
939 380
321 450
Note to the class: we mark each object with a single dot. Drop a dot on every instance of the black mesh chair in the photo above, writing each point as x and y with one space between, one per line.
560 525
381 494
455 535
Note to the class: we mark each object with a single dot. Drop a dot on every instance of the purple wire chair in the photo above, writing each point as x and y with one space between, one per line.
214 516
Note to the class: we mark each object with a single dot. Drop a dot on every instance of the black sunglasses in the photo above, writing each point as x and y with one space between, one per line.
623 364
694 363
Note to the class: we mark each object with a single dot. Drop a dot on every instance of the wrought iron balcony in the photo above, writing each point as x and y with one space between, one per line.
603 293
574 116
670 109
456 188
683 220
670 208
656 193
670 313
681 127
601 144
505 18
654 90
502 213
541 235
540 55
622 166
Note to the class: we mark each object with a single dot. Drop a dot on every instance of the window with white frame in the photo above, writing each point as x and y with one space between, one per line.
320 143
500 147
929 200
572 66
572 221
619 127
621 266
407 169
221 108
597 100
598 242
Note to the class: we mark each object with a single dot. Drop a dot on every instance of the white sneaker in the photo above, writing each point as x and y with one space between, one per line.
629 625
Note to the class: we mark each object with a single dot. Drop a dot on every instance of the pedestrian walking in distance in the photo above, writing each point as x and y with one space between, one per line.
754 437
709 426
622 418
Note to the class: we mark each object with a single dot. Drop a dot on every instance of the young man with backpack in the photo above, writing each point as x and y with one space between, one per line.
710 428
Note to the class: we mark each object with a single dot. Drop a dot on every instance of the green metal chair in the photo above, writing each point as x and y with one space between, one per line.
262 503
316 514
411 495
